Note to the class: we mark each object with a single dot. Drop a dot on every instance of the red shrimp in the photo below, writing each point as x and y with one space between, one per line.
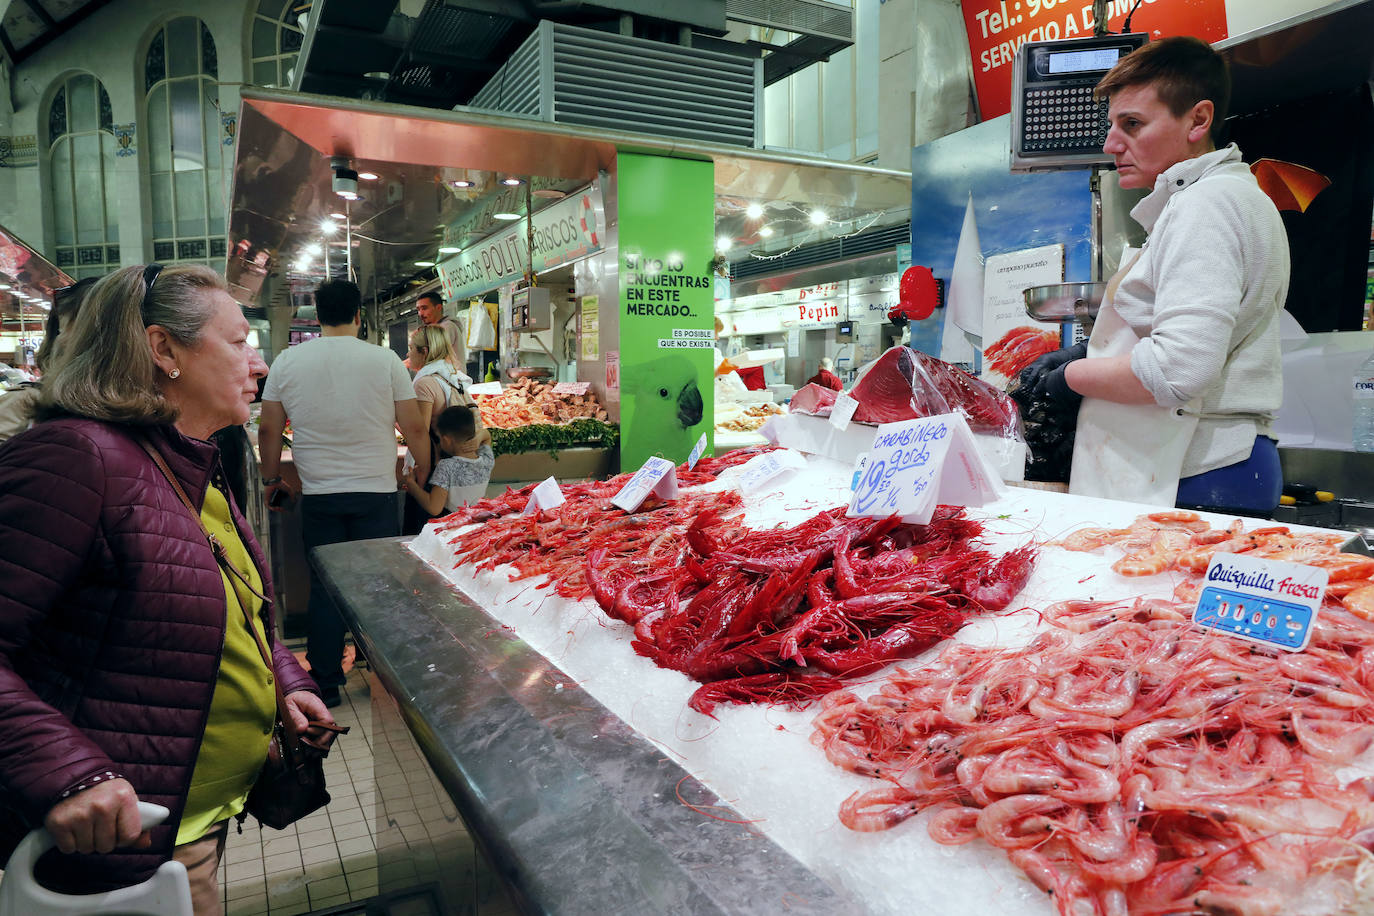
880 809
954 826
774 688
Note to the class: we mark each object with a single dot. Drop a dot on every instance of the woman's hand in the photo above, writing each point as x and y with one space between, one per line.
100 819
304 707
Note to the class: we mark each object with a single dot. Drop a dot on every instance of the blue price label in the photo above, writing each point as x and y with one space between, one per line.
1284 624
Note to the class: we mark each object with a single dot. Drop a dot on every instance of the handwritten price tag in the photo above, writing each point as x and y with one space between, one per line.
697 451
548 495
843 411
657 476
916 464
574 388
485 388
757 472
1266 601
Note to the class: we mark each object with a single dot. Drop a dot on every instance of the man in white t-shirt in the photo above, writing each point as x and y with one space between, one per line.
344 398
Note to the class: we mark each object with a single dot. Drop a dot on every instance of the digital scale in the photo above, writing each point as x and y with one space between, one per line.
1055 122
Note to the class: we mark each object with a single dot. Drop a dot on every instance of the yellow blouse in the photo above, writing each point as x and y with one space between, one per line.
244 706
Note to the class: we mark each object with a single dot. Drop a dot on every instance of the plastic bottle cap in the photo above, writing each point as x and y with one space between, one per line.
1287 501
1325 496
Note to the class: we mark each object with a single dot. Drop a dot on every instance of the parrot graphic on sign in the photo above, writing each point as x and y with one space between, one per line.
666 405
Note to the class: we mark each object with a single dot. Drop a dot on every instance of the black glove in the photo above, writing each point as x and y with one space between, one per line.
1032 377
1053 387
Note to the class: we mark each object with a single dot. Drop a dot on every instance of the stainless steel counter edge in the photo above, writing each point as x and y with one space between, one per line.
577 811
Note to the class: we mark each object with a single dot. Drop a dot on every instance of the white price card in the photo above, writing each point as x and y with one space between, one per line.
658 476
1266 601
548 495
575 388
843 411
916 464
485 388
697 451
756 472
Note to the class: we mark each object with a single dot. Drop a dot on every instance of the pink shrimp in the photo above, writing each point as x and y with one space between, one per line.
880 809
954 826
1019 821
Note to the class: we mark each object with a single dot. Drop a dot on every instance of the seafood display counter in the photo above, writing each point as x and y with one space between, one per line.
551 732
575 809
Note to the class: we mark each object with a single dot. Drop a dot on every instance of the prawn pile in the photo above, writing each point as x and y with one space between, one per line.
1130 763
1018 348
1182 541
780 615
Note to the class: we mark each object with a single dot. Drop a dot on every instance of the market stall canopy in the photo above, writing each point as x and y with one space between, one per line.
437 168
27 282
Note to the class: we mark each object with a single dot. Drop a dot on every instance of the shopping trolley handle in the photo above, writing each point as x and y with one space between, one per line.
39 840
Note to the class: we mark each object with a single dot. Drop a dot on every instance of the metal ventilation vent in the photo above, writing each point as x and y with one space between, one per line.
827 252
572 75
805 17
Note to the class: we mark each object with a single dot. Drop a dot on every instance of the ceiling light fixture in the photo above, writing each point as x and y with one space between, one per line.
506 216
765 231
449 249
753 211
462 183
345 180
314 250
329 227
511 181
368 176
338 216
723 244
818 217
424 263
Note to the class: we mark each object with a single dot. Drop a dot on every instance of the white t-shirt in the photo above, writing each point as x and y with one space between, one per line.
340 395
465 479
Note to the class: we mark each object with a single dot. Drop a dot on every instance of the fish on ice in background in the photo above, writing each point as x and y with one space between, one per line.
964 312
666 406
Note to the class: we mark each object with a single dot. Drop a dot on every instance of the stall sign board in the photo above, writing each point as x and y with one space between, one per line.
843 411
573 388
996 28
1271 602
548 495
667 308
697 451
915 464
657 476
591 327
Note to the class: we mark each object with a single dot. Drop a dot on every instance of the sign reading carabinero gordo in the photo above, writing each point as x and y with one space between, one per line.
563 232
667 305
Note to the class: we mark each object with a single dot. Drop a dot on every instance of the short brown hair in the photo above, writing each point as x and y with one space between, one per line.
1184 71
104 369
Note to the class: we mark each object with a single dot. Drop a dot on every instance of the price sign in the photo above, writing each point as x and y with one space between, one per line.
485 388
658 476
1265 601
697 451
548 495
759 471
915 464
574 388
843 411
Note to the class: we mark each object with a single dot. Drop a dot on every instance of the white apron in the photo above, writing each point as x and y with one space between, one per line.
1131 452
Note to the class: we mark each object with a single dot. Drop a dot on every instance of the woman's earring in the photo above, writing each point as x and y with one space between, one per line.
175 373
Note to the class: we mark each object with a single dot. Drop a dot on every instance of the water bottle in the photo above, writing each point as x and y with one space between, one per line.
1364 406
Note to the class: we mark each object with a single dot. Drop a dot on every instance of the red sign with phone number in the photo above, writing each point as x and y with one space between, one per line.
996 28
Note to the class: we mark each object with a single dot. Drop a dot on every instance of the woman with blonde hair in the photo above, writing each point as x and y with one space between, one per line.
134 662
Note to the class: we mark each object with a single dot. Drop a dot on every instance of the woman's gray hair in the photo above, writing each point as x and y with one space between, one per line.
104 369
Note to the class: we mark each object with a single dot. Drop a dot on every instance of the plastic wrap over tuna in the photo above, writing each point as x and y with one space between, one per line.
815 400
904 383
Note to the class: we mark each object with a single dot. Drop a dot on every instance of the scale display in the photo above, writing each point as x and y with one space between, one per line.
1055 122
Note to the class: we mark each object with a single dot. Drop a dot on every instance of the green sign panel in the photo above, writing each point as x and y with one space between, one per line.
667 313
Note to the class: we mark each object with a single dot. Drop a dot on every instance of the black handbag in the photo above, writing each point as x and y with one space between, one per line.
291 782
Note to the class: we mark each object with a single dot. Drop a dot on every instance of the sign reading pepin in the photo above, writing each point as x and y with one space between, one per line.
1265 601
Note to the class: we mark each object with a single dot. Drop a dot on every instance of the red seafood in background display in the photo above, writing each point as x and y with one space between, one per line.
904 384
1018 348
1131 763
813 399
1182 542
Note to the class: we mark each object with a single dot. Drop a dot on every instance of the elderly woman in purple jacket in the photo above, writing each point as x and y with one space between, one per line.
127 668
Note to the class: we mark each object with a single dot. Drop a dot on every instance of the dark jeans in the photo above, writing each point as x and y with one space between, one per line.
332 518
1251 487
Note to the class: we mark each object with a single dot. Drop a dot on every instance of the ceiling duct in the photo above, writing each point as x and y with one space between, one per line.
821 29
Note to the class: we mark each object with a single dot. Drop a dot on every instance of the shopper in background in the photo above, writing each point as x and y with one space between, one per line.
461 478
439 383
344 398
16 407
430 307
1203 296
127 668
826 377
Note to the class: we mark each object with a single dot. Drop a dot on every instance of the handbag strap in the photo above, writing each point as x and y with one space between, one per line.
289 746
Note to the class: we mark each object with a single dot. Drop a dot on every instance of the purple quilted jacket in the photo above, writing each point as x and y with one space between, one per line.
112 616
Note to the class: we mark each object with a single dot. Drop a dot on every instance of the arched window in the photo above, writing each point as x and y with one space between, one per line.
82 200
276 40
185 144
